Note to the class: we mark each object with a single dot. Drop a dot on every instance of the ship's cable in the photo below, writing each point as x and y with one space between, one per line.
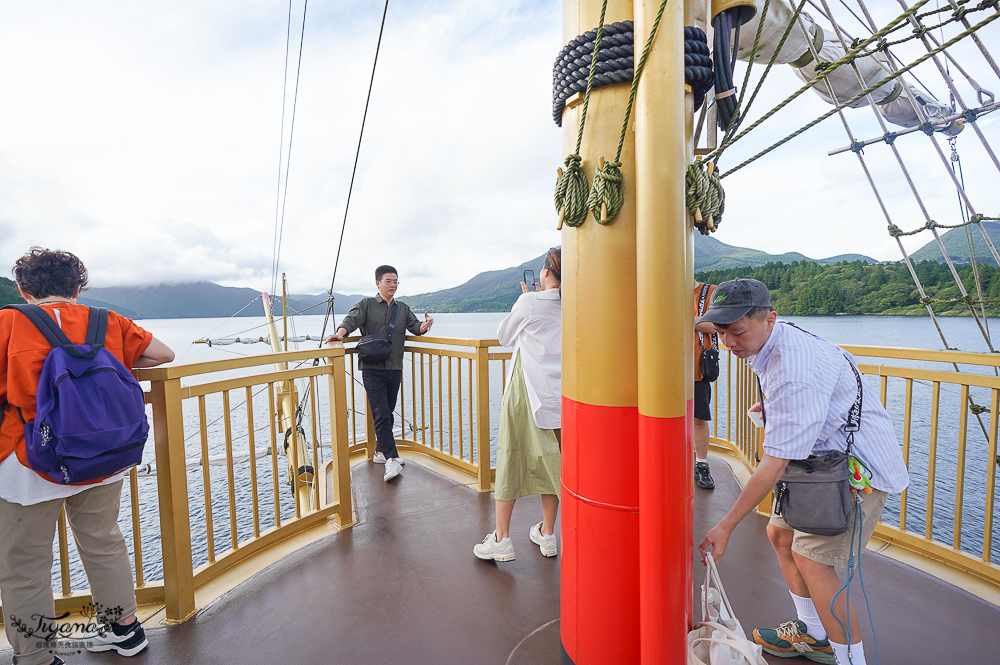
288 159
281 149
354 172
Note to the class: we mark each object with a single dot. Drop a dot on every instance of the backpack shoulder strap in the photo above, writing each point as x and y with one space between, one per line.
97 326
701 312
52 332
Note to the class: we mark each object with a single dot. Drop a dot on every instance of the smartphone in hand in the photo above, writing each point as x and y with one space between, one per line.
529 279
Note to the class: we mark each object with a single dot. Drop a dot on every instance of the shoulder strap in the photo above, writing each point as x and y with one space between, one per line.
52 332
701 312
392 319
854 414
97 326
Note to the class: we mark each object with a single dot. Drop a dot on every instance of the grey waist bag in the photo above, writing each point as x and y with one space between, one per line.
814 494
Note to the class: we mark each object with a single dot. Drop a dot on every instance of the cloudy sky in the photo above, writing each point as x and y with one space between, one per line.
145 137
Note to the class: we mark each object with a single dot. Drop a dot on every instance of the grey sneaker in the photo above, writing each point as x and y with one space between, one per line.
392 469
491 549
703 476
379 458
126 640
547 544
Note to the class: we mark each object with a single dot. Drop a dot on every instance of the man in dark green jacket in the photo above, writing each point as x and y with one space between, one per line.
382 379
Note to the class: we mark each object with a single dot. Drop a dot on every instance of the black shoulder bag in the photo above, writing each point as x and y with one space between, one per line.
378 347
709 356
814 494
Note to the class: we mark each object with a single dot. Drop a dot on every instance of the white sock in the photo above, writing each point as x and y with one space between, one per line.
701 461
806 610
857 654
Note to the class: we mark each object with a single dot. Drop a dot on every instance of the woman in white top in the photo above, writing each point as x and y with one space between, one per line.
528 451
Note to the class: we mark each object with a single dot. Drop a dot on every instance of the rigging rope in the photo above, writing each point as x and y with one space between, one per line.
291 135
608 193
843 105
354 171
571 187
281 150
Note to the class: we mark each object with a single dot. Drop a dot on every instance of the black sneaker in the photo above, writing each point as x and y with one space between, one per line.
126 640
703 476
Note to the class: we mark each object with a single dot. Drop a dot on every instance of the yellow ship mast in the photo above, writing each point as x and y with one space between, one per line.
300 470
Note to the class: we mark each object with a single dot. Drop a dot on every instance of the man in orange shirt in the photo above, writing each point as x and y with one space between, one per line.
704 339
30 502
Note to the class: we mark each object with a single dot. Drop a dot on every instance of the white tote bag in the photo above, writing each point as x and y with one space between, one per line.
719 639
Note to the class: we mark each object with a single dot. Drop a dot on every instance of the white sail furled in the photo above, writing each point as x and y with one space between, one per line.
891 99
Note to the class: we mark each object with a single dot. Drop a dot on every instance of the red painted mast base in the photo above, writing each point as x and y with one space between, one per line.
666 500
599 612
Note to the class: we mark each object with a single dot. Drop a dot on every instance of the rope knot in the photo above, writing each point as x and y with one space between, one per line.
970 115
857 146
895 231
975 219
571 192
890 137
704 196
926 300
978 409
927 128
608 193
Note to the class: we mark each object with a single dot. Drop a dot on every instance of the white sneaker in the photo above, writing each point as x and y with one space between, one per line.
547 544
392 469
491 549
379 458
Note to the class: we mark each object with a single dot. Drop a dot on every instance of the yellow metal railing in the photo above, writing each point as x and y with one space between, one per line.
444 403
947 512
189 400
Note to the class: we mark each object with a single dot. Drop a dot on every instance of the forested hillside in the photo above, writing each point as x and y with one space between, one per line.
809 289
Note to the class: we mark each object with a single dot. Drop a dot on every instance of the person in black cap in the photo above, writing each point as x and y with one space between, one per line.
809 390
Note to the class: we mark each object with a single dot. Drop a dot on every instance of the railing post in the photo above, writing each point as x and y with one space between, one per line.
172 490
483 418
339 442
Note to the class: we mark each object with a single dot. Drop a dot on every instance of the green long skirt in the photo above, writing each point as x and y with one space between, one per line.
528 458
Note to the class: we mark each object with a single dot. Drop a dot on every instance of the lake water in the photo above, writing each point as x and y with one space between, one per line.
180 334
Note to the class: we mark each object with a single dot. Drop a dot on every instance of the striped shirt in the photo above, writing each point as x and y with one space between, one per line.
809 387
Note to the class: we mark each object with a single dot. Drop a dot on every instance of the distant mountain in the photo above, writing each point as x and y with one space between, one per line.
496 290
712 254
957 244
492 291
198 300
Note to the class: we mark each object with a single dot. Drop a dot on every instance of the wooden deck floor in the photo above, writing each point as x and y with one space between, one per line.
403 587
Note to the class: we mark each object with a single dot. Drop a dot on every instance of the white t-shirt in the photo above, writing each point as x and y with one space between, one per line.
21 485
534 327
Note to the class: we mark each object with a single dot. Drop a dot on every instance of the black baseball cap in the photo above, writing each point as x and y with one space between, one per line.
733 299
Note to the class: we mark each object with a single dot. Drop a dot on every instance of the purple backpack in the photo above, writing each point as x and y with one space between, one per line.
90 418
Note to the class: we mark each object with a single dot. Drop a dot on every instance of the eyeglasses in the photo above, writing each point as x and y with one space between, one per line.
391 282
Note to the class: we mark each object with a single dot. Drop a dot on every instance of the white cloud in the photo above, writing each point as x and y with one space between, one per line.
145 138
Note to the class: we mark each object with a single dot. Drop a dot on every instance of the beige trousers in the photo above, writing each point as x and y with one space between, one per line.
26 535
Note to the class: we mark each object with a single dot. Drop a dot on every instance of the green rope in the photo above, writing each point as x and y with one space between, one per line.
571 190
704 197
896 232
608 189
968 300
847 103
774 56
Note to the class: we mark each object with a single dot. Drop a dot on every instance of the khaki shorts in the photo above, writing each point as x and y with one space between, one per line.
835 550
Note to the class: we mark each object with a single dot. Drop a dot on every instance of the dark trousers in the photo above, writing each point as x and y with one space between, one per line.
382 386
